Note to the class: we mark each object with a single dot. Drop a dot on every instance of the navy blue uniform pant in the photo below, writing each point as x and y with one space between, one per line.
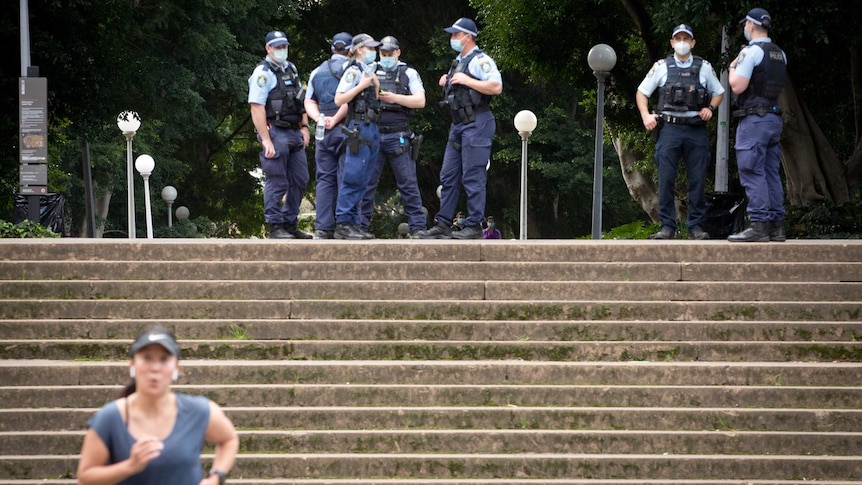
357 167
395 147
758 156
329 163
691 144
464 165
286 176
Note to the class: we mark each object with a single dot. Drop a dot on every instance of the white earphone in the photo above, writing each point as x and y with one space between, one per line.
132 372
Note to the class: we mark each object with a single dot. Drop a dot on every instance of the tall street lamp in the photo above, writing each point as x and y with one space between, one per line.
602 59
169 195
145 165
525 123
128 122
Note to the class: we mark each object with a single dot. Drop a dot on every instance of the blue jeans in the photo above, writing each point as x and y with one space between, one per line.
357 168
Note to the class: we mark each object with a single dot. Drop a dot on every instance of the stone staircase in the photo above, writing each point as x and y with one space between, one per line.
454 363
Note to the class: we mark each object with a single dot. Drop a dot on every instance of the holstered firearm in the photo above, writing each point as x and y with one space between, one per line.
659 123
353 139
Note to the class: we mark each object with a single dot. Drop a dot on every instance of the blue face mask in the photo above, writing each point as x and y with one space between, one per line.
370 56
490 225
746 35
455 44
388 63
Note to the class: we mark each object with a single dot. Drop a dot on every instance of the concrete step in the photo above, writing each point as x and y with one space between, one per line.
479 481
72 249
788 271
492 441
437 310
478 372
605 351
476 330
435 290
533 465
484 417
531 395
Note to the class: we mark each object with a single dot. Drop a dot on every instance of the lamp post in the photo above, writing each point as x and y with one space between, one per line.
145 165
169 195
182 213
601 59
128 122
525 123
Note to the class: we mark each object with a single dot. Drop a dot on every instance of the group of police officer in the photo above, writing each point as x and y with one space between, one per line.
362 107
689 95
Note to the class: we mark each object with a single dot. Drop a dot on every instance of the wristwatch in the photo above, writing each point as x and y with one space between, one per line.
222 476
712 108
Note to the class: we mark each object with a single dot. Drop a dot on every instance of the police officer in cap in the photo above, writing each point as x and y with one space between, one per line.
757 77
320 98
401 92
689 95
358 90
467 90
275 94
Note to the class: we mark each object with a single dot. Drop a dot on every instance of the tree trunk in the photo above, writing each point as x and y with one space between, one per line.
642 189
812 170
103 202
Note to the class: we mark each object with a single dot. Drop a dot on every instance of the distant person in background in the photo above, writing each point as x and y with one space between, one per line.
491 231
458 222
151 435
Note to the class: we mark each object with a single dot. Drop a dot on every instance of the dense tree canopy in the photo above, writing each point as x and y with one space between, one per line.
183 66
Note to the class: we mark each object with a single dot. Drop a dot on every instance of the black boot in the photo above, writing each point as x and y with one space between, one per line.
278 231
758 232
776 231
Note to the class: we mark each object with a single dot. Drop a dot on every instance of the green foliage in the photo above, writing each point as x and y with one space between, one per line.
25 229
825 221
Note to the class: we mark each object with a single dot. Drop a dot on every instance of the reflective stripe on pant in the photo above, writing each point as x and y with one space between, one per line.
691 144
404 169
286 176
329 163
354 179
758 157
464 166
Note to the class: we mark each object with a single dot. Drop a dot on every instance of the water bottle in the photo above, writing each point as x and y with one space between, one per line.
321 127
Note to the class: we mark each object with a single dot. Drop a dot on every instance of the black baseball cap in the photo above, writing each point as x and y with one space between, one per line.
758 16
156 335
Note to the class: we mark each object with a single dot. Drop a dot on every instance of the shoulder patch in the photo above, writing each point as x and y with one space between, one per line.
350 75
485 66
261 81
651 71
740 57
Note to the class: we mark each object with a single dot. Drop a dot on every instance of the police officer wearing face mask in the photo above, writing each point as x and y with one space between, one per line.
328 152
401 92
358 89
467 89
757 77
689 95
275 94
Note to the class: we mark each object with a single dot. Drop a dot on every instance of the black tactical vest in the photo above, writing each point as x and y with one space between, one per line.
464 102
285 103
767 79
683 90
394 81
364 107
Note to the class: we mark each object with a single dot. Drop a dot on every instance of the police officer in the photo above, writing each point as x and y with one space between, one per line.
757 76
467 88
328 153
275 94
689 95
358 90
401 92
